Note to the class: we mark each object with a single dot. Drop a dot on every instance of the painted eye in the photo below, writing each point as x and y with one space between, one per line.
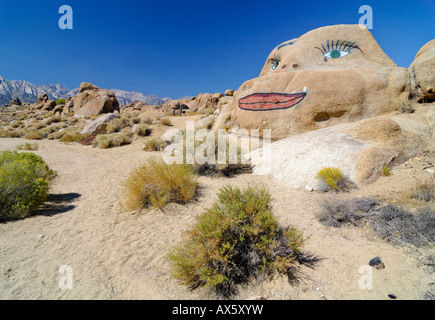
276 64
335 54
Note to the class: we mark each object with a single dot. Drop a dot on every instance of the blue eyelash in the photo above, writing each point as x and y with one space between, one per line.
346 46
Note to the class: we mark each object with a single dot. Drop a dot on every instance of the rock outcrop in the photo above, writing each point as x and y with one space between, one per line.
422 74
329 99
91 101
331 75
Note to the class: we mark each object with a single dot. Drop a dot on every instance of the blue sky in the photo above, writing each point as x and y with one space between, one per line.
179 48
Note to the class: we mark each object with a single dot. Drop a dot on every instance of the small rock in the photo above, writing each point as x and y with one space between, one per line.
392 296
377 263
309 188
258 298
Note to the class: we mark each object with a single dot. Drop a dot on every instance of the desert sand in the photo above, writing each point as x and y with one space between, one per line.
121 255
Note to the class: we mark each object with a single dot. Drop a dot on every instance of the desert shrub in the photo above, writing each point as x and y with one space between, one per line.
147 120
212 164
72 137
332 179
112 140
165 122
234 241
424 190
56 135
155 144
386 172
28 146
406 107
338 210
142 130
24 183
60 101
17 133
33 135
157 183
399 226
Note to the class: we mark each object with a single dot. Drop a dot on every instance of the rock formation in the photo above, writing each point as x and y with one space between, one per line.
91 101
330 98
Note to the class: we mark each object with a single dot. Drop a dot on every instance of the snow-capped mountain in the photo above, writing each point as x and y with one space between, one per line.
29 93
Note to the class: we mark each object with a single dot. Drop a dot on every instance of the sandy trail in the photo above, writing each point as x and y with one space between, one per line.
120 255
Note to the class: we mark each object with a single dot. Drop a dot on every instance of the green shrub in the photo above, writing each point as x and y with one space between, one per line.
24 183
234 241
386 172
157 183
60 101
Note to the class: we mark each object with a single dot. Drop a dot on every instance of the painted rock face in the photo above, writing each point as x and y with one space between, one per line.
328 76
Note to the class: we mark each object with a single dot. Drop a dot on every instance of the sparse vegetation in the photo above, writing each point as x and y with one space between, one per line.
72 137
155 144
234 241
424 190
386 172
117 139
333 179
165 122
157 183
33 135
24 183
142 130
60 101
28 146
390 222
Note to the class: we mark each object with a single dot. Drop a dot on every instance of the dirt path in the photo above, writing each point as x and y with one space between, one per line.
120 255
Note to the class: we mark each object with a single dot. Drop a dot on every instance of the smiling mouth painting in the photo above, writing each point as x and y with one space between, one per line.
270 101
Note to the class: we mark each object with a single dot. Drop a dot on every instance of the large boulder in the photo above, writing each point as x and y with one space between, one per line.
329 76
99 125
360 150
329 99
422 74
92 101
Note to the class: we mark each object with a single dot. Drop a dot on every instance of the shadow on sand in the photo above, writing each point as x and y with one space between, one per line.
56 204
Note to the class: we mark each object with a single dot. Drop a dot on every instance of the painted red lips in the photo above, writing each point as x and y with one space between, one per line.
270 101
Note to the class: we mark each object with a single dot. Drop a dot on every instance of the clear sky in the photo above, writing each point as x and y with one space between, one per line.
182 48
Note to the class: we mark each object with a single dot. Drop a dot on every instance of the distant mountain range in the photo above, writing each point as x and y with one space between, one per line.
29 93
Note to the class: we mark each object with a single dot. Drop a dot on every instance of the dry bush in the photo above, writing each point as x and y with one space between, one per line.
157 183
337 210
147 120
33 135
72 137
112 140
165 122
399 226
142 130
28 146
155 144
424 189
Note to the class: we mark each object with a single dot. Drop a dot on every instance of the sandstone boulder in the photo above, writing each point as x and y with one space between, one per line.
99 125
91 101
422 74
229 93
328 76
